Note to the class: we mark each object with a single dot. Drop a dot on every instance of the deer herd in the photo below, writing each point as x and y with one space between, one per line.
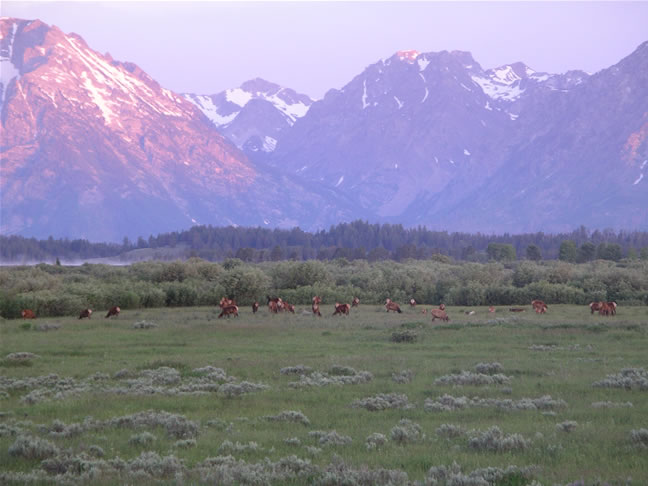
276 305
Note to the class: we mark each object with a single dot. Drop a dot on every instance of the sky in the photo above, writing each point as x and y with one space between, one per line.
206 47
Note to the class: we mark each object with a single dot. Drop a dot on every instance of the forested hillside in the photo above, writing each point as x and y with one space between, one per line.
353 241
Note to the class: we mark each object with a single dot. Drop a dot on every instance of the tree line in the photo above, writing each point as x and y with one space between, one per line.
357 240
59 290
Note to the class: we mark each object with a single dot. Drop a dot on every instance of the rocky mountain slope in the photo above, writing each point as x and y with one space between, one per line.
435 139
93 147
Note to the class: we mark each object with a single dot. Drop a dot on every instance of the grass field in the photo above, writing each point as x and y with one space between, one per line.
133 404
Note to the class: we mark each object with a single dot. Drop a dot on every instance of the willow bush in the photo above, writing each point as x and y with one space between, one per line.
52 290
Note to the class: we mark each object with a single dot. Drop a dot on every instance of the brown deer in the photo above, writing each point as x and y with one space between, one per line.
342 309
228 311
392 306
539 306
275 304
225 301
316 302
595 306
439 314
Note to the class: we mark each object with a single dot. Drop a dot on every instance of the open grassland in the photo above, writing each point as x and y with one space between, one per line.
177 395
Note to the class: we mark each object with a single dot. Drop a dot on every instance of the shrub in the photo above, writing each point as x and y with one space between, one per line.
406 432
639 437
289 416
234 390
185 443
488 368
375 441
229 446
384 401
628 378
96 451
449 431
330 438
180 295
143 439
567 426
30 447
176 426
296 370
405 376
323 379
144 325
495 440
406 336
151 463
470 378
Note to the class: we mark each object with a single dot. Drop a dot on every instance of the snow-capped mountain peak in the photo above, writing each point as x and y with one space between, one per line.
254 114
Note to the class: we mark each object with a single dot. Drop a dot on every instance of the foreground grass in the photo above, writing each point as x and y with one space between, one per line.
559 354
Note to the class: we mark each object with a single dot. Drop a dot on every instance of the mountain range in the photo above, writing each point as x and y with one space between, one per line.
95 148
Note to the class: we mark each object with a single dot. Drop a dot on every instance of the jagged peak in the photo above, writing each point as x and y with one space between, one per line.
408 55
259 85
510 73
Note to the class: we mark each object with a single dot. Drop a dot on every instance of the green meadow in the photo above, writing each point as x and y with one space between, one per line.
178 395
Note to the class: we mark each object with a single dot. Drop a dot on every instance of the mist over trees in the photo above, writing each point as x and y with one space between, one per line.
358 240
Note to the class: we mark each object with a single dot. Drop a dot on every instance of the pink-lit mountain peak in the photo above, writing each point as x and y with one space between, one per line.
76 119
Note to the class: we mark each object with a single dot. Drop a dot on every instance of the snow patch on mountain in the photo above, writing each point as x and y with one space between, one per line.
269 144
210 110
427 92
499 87
364 94
8 71
114 78
99 97
291 110
238 96
218 108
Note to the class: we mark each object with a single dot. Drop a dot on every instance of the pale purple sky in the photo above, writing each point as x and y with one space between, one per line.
205 47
